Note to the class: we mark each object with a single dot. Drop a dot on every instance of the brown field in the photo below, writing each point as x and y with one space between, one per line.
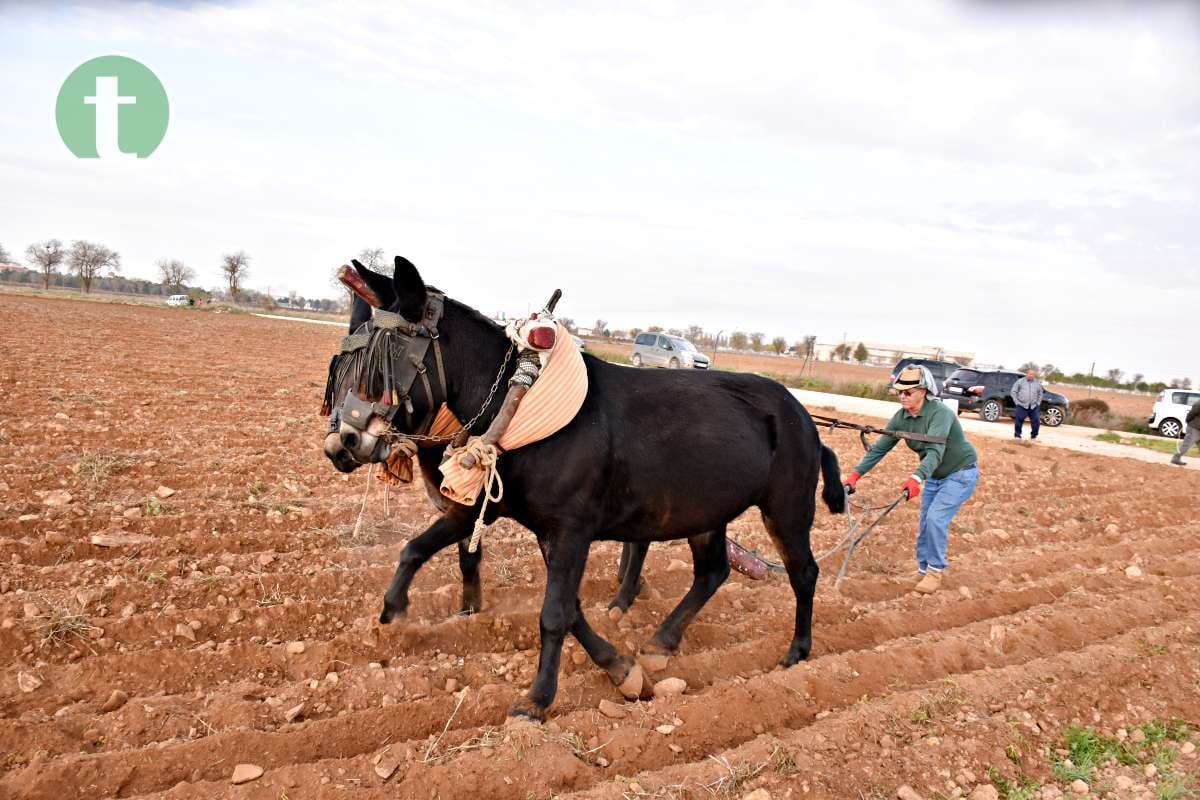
1132 405
237 624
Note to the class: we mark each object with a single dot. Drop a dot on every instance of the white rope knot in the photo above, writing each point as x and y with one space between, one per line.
485 456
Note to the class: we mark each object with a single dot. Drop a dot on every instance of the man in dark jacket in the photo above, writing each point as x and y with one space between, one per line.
1191 436
1026 395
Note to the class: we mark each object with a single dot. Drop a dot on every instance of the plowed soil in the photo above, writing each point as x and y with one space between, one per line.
235 621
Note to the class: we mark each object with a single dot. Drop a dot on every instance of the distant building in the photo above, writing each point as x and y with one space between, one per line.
881 354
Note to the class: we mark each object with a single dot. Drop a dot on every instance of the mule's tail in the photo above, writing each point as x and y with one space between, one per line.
832 493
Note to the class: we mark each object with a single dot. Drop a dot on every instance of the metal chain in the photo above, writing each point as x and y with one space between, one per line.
394 434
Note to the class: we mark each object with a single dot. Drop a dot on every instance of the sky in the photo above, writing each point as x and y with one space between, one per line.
1016 179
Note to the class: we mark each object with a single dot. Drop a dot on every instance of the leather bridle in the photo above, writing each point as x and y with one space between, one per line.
393 363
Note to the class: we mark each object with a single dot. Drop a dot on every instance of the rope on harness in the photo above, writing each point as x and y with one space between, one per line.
363 508
485 456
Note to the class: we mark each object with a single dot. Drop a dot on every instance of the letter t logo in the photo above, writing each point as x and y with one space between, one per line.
107 99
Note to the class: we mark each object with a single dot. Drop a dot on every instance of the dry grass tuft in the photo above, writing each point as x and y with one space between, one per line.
96 468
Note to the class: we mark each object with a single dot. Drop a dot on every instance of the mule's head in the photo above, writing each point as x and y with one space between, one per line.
345 371
399 374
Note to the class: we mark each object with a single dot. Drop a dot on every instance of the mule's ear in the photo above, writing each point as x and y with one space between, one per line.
409 290
360 313
379 284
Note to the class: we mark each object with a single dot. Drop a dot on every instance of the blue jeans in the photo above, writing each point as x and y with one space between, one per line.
1035 420
940 501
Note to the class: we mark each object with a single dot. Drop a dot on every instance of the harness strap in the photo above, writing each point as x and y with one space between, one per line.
441 370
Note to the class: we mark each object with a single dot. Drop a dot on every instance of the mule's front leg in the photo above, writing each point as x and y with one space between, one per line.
453 526
565 560
468 564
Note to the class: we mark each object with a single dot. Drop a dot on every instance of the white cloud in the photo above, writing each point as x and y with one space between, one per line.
795 166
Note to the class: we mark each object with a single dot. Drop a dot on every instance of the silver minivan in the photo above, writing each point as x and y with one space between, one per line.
661 350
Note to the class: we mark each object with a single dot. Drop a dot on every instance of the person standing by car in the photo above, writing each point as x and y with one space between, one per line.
948 470
1192 437
1027 402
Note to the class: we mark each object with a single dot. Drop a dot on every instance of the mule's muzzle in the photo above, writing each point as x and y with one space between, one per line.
341 458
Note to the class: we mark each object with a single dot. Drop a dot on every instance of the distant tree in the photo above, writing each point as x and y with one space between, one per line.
674 332
965 361
1048 369
89 259
738 340
5 258
568 323
173 273
756 341
600 326
654 329
779 344
1174 384
235 267
860 353
842 351
695 334
1028 365
1186 383
634 331
46 256
1115 375
374 259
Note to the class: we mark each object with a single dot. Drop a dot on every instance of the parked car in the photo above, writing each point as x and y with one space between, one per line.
178 300
987 392
1171 407
661 350
939 369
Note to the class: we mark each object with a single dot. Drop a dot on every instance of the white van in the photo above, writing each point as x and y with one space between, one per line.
177 300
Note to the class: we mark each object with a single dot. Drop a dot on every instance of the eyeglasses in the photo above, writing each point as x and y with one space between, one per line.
908 392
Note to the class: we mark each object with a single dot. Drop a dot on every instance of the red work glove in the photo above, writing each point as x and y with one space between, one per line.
911 488
851 482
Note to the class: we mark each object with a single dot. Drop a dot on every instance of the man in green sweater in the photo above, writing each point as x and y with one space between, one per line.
945 477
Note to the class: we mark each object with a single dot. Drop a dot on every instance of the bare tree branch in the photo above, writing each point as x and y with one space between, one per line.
89 259
174 273
235 267
46 256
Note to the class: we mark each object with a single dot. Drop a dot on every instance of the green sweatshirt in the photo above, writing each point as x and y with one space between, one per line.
937 460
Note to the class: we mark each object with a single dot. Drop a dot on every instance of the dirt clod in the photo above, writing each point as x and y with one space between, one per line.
115 700
669 687
244 773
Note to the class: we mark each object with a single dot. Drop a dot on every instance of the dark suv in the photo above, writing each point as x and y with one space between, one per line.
988 392
939 369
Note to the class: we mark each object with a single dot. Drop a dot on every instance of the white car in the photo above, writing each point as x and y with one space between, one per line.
177 300
1170 411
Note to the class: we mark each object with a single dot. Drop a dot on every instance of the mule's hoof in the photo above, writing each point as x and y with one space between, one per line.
525 711
791 660
634 684
653 662
656 648
389 614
